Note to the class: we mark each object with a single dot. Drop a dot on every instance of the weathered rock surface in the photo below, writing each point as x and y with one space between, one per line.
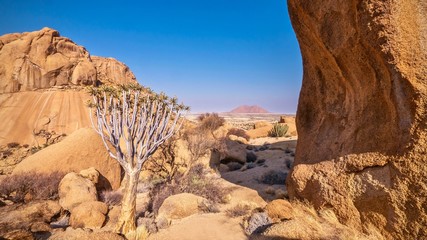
81 150
18 221
74 190
89 215
362 112
37 70
43 59
180 206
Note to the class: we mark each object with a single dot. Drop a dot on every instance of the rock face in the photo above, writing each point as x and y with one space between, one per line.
362 112
41 80
43 59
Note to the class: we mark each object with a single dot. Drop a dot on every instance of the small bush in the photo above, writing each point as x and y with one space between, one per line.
31 186
25 145
211 121
238 210
208 207
273 177
111 198
238 132
278 130
13 145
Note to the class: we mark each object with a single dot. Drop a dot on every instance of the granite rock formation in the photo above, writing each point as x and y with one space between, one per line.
361 117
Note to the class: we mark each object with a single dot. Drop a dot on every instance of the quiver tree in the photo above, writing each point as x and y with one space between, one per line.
133 122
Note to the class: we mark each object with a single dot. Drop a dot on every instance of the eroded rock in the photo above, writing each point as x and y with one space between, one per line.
361 114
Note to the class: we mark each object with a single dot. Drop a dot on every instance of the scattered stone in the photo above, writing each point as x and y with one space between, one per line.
233 166
89 215
251 157
75 189
279 210
223 168
260 161
61 223
238 139
251 165
257 223
28 216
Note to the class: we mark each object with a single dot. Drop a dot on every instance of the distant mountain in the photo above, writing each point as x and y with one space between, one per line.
249 109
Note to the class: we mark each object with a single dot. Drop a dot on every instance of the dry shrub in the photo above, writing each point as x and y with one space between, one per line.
13 145
238 210
195 182
31 186
210 121
141 233
273 177
111 197
238 132
164 164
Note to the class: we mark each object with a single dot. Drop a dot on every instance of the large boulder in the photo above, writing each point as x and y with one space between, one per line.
234 152
88 215
74 190
81 150
46 74
43 59
361 114
180 206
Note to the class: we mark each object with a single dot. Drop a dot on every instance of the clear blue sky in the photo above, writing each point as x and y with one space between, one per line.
213 55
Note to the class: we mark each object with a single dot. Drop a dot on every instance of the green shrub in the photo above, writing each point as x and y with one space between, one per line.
278 130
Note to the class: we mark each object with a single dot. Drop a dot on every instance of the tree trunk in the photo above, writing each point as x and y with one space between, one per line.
126 221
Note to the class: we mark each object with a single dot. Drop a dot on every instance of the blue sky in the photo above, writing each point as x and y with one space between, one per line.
213 55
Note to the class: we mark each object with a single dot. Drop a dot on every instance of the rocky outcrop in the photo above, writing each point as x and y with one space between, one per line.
43 59
41 79
362 112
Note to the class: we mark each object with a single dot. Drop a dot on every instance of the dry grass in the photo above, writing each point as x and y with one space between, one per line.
311 224
195 182
111 197
141 233
238 210
31 186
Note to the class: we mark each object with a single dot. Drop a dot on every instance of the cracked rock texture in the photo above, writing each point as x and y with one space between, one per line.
362 112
